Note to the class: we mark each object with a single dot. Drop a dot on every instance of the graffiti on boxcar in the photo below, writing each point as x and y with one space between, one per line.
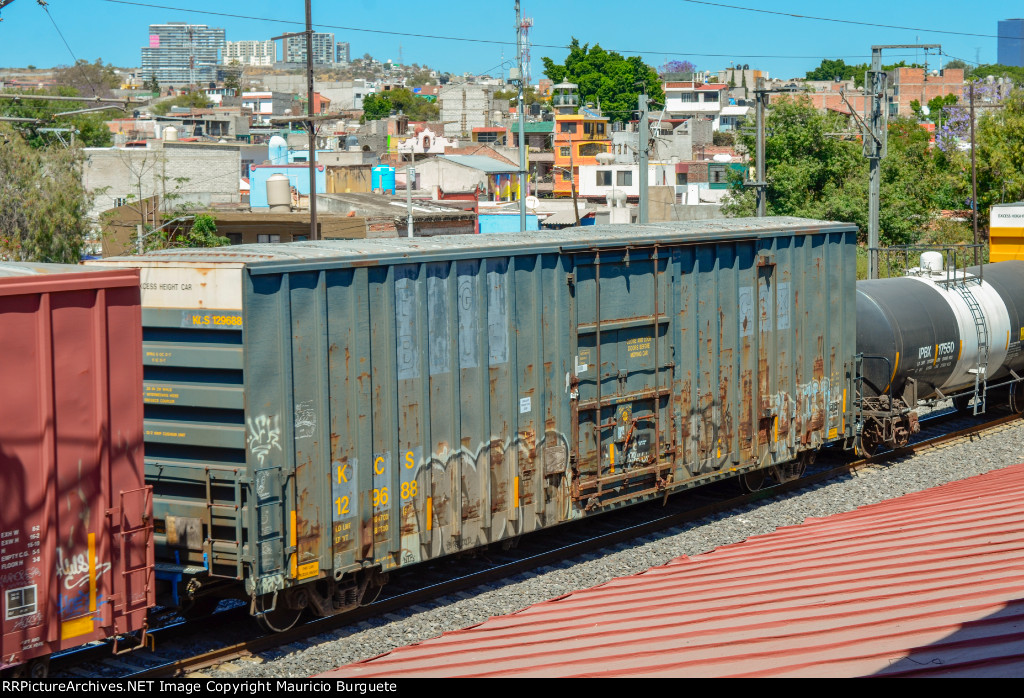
73 570
305 420
439 341
264 436
497 310
406 334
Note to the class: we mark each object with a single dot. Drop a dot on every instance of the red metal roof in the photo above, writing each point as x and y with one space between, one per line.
928 584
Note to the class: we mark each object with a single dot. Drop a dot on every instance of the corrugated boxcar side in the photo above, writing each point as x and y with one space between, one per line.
317 408
454 399
435 391
75 540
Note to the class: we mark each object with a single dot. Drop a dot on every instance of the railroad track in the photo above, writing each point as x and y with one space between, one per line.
535 551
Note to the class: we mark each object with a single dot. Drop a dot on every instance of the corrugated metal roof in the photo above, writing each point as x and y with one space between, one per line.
928 584
385 250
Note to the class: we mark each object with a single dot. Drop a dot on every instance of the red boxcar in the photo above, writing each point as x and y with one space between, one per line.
76 554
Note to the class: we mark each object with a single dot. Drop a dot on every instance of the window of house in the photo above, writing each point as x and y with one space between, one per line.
120 201
600 129
589 150
624 178
716 174
268 238
687 97
234 238
588 127
565 176
604 178
564 151
568 127
680 178
710 96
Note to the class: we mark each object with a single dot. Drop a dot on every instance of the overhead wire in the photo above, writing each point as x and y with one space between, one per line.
457 38
795 15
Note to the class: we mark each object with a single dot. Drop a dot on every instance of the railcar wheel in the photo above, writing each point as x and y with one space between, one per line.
871 438
753 480
794 469
38 668
278 620
1016 400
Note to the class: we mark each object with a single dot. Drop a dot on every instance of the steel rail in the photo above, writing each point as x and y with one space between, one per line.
181 667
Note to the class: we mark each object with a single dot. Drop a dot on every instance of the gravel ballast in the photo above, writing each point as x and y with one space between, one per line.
911 474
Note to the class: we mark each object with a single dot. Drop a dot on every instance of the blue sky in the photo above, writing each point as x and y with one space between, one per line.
709 36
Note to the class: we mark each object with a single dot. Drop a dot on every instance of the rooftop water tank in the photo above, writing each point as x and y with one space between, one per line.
279 193
170 134
277 151
382 178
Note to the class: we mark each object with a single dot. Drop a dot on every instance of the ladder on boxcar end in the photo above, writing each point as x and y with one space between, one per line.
981 327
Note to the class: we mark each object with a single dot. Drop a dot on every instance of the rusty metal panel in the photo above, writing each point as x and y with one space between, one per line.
76 552
916 586
381 402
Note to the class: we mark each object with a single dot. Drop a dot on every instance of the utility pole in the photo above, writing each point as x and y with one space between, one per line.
644 141
876 139
760 184
974 179
519 79
410 175
311 126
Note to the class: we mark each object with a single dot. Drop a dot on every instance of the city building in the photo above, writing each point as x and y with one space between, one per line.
323 49
580 135
343 53
690 100
1011 42
250 52
909 84
265 105
182 54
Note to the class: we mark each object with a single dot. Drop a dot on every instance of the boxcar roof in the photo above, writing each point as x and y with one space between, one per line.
277 257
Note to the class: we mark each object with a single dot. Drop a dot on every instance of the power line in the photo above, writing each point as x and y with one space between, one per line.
844 21
458 38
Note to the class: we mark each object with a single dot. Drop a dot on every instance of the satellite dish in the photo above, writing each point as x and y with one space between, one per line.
532 202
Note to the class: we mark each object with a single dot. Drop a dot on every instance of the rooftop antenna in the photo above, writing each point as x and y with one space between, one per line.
524 26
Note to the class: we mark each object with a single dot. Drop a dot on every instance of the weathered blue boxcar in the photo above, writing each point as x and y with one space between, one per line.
320 412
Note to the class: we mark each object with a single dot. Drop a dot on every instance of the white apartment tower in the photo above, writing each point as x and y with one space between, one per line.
250 52
323 49
181 54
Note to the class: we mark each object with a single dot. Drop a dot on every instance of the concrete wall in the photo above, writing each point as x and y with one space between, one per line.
178 175
465 107
341 180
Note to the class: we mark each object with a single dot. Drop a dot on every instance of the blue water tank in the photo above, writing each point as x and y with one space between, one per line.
382 178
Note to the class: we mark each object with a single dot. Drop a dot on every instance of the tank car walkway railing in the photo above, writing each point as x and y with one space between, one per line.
981 327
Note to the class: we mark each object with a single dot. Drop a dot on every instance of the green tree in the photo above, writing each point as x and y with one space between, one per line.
832 70
815 175
152 85
606 78
90 128
88 79
380 105
193 100
232 80
1000 158
43 203
376 106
